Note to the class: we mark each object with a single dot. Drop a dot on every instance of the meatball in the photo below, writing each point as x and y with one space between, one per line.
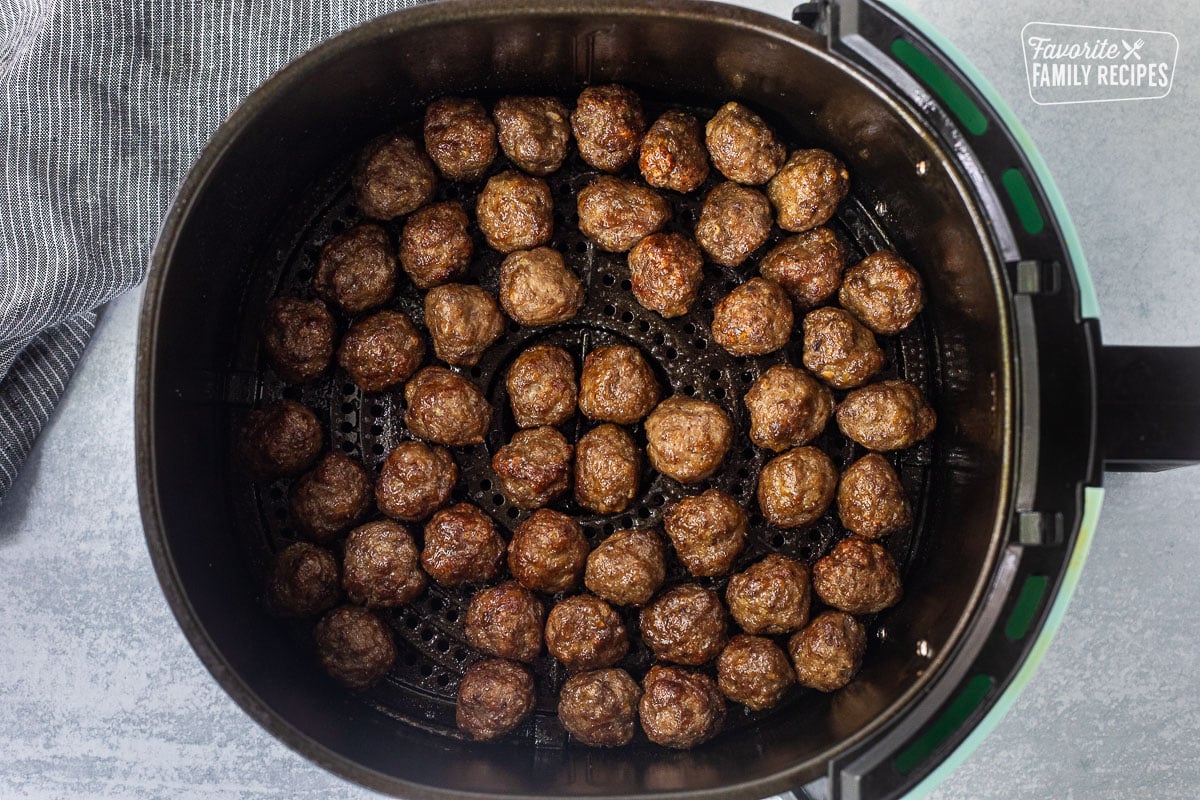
617 385
808 265
331 498
495 696
680 708
415 481
608 125
616 214
858 576
838 349
708 531
460 137
446 408
533 132
297 336
280 441
356 270
534 467
771 596
665 270
394 178
584 632
463 322
828 652
871 500
303 581
607 470
883 291
354 646
807 190
548 552
754 319
889 415
541 386
686 625
673 155
506 621
381 351
687 439
599 708
381 565
435 246
742 146
627 568
795 489
462 546
515 212
754 671
788 408
734 222
537 288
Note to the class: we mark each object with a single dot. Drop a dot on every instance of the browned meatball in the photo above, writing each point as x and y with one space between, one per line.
687 439
541 386
616 214
381 351
506 621
828 652
673 155
807 190
666 270
627 568
463 322
354 646
607 470
303 581
460 137
742 146
883 291
795 489
889 415
788 408
871 500
381 565
734 222
617 385
608 125
680 708
462 546
808 265
415 481
599 708
446 408
708 531
356 270
754 671
297 336
515 212
331 498
435 247
394 177
771 596
754 319
533 132
584 632
548 552
537 288
686 625
495 697
858 576
838 349
534 467
280 441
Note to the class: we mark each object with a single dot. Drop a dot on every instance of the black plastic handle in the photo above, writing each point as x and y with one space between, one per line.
1149 408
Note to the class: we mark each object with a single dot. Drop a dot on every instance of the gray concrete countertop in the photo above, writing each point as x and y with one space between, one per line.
103 698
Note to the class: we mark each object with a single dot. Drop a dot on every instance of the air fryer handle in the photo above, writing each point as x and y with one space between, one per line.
1149 414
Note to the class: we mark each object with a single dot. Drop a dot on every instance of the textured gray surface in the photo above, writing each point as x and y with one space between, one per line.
101 697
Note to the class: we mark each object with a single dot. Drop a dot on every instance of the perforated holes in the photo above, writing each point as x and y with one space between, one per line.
610 311
608 279
626 285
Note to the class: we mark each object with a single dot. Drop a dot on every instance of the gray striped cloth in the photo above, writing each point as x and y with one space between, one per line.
104 104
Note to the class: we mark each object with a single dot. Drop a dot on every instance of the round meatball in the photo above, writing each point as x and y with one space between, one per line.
788 408
807 190
599 708
627 568
871 500
533 132
463 321
686 625
446 408
607 470
687 439
515 212
665 270
537 288
883 291
381 565
754 671
708 531
460 137
858 576
742 146
354 646
829 651
394 178
795 489
838 349
548 552
680 708
356 270
771 596
808 265
608 125
381 351
415 481
754 319
534 467
506 621
617 385
331 498
616 214
889 415
541 386
297 336
435 246
673 155
734 222
303 581
462 546
584 632
280 441
495 697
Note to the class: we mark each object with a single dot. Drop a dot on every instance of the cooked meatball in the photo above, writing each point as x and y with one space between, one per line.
303 581
858 576
828 652
381 565
599 708
734 222
463 322
297 336
754 671
331 498
462 546
541 386
838 349
435 246
807 190
788 408
537 288
666 270
533 132
354 646
687 439
506 621
808 265
795 489
394 178
616 214
627 568
680 708
889 415
381 351
771 596
607 470
460 137
356 270
617 385
883 291
608 125
534 467
515 212
742 146
871 500
415 481
495 697
754 319
584 632
673 155
708 531
686 625
279 441
547 552
446 408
